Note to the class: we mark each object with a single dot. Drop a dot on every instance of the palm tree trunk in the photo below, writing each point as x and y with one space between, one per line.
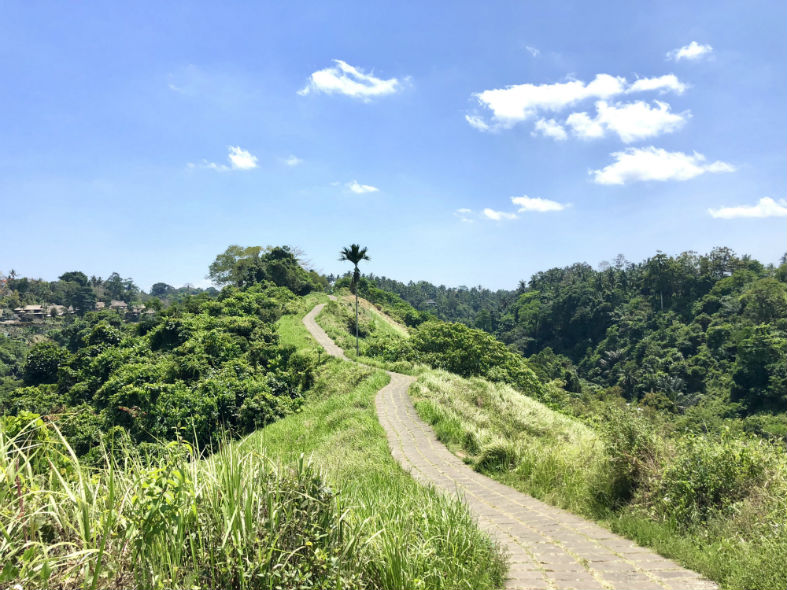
356 321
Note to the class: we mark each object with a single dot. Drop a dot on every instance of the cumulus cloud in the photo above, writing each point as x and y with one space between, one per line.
239 159
342 78
524 204
652 163
631 121
537 204
498 215
514 104
550 128
665 83
692 51
361 189
765 207
535 52
583 126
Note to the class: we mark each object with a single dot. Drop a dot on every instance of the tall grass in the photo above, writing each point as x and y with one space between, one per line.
234 520
718 504
519 440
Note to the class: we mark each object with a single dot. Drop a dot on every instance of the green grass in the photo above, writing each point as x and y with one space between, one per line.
414 536
334 320
291 329
524 444
518 440
234 520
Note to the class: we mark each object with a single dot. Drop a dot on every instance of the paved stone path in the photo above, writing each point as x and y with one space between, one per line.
548 548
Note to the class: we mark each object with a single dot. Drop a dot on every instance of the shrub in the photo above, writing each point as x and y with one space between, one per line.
498 455
42 363
633 451
469 352
710 474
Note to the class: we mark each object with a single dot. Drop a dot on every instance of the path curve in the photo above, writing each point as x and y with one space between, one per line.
548 548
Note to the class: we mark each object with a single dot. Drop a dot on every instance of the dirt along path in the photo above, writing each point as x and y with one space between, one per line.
548 548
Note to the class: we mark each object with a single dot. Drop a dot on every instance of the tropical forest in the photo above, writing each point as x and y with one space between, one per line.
205 438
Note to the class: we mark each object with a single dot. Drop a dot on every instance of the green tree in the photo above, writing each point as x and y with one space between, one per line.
84 300
161 290
759 372
74 276
354 254
42 363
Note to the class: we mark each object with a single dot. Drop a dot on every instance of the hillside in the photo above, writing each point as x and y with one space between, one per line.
712 500
701 336
189 402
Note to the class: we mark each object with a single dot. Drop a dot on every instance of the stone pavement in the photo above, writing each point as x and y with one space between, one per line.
547 547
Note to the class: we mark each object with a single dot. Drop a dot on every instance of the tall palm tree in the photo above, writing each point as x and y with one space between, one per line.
354 254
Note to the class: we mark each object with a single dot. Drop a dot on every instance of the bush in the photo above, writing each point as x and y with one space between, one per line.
42 363
633 452
469 352
709 475
498 455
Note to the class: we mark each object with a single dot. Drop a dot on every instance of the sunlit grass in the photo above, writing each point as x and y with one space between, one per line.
419 538
234 520
525 444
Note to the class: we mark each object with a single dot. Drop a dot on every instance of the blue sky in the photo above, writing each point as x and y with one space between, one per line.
461 142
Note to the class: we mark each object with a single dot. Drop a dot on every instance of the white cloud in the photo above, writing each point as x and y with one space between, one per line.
631 121
240 159
514 104
498 215
292 160
583 126
537 204
665 83
692 51
550 128
766 207
350 81
477 122
360 189
533 51
652 163
522 101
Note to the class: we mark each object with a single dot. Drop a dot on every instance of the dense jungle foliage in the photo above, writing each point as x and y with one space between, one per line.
674 333
203 367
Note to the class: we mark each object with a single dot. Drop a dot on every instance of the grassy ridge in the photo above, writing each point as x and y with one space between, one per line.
525 444
414 536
